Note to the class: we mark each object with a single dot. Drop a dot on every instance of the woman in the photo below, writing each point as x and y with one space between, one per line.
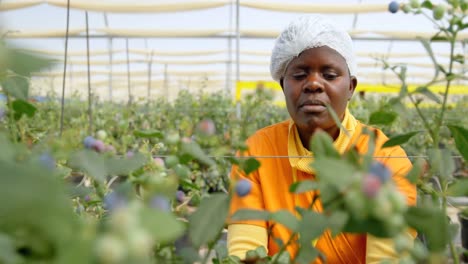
314 63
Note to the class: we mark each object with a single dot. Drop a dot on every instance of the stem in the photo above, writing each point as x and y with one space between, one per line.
283 248
421 115
447 87
11 119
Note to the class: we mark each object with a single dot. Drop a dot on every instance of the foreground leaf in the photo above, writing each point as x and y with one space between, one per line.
460 134
209 219
399 139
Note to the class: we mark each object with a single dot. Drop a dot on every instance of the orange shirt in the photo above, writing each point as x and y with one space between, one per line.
271 182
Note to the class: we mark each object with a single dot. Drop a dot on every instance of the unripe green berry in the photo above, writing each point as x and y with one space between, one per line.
110 249
406 8
438 12
414 4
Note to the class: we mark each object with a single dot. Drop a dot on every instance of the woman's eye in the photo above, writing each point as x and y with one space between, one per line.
330 76
299 76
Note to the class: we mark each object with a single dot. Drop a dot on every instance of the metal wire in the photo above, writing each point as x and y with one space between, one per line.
287 157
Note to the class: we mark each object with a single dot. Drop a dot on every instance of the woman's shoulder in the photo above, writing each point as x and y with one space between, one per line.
278 130
270 139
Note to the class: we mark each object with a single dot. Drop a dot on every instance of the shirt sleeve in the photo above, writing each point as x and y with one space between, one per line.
379 249
244 237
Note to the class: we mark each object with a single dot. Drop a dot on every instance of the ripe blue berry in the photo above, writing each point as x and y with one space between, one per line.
47 161
393 7
113 201
381 171
243 187
88 142
161 203
180 196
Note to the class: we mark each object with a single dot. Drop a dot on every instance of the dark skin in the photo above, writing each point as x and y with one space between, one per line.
318 76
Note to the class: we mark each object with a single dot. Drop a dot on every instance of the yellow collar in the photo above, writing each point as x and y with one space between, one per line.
297 152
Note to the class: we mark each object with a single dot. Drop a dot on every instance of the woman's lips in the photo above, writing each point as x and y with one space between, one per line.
313 106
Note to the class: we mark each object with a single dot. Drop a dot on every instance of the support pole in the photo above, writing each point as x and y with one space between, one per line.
90 101
128 73
62 103
238 106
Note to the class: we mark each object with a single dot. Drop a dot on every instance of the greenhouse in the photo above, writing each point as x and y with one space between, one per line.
233 131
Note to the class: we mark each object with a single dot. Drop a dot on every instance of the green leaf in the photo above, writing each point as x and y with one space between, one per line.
250 165
285 218
124 166
261 252
163 226
322 145
16 86
426 92
303 186
337 173
221 251
311 226
209 219
459 58
382 117
148 134
427 45
416 170
433 217
8 250
458 188
427 4
337 221
195 151
250 214
90 162
306 255
283 257
460 134
399 139
24 63
21 107
441 162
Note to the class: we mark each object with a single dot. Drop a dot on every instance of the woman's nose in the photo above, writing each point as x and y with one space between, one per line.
313 84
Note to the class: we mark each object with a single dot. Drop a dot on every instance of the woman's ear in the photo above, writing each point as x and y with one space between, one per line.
352 86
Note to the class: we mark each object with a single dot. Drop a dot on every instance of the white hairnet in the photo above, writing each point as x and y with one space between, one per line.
307 32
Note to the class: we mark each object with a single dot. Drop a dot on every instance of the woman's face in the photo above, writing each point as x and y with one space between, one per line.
318 76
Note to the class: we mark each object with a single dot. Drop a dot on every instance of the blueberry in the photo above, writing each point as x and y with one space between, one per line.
207 127
161 203
113 201
47 161
393 7
381 171
88 142
99 146
243 187
371 185
130 154
180 196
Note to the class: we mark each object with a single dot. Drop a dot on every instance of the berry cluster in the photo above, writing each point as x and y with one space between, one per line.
97 144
